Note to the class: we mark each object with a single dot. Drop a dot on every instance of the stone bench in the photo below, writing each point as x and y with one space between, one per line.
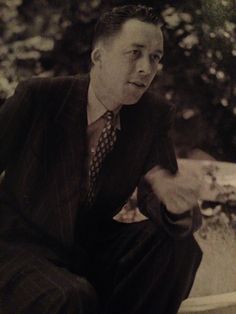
224 303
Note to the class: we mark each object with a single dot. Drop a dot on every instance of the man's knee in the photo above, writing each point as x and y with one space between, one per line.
80 295
186 246
185 249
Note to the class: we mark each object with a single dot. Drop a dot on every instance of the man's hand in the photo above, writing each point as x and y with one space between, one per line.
179 192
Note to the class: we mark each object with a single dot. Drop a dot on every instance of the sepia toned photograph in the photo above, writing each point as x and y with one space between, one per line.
117 157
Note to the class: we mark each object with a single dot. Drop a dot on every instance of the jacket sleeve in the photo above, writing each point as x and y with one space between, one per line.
162 154
15 115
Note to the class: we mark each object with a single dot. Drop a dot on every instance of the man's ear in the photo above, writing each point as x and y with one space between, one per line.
96 56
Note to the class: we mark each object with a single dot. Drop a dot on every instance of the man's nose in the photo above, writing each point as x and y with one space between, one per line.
144 66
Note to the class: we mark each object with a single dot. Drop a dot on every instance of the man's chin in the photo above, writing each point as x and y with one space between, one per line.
132 100
130 104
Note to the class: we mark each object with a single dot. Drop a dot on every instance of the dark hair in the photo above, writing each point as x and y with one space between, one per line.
110 22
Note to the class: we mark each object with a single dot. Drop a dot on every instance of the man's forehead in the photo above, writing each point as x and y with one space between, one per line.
135 31
134 24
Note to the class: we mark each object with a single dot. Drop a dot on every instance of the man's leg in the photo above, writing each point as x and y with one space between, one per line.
139 269
31 283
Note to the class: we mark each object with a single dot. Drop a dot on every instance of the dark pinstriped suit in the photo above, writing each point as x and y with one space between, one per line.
46 233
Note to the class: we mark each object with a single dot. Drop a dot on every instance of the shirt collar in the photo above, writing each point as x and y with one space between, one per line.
96 109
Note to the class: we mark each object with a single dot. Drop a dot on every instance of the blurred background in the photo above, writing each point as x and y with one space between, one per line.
197 74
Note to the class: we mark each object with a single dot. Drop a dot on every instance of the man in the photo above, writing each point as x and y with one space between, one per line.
73 151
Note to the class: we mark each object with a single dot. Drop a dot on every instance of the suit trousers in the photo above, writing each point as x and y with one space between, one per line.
131 268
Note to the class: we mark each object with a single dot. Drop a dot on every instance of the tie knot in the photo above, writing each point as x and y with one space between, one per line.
108 115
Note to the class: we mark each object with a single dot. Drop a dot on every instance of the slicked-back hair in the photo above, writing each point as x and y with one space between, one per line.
110 22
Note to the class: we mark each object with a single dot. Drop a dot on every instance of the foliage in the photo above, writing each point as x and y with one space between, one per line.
47 38
199 73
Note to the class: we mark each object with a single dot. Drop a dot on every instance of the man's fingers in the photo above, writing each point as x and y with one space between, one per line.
192 192
187 168
179 203
176 206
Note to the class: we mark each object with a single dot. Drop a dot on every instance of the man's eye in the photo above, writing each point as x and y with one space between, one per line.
135 53
155 58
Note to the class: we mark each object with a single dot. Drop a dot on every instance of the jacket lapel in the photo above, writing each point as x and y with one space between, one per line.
73 157
67 160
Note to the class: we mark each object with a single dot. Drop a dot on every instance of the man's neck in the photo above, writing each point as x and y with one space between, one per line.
102 95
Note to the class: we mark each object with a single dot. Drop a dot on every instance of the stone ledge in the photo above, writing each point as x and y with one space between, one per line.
206 303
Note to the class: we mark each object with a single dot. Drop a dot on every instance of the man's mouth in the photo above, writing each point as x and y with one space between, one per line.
138 84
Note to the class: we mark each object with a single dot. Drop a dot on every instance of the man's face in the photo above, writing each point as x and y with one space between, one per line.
129 61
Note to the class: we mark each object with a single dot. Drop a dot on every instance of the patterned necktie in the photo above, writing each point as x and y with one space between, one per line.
104 147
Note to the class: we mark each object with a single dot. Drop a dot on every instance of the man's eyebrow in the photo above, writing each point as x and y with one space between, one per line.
158 51
138 45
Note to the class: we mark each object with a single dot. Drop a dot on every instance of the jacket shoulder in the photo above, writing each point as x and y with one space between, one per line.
157 109
49 94
48 85
157 103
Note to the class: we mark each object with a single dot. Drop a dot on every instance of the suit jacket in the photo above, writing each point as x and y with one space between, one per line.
43 150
